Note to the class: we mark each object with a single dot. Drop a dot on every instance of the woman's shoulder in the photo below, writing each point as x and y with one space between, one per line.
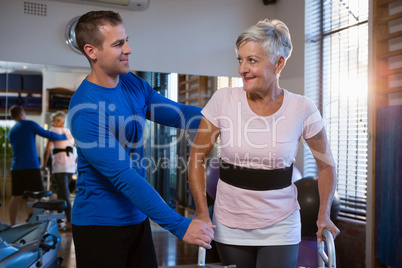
232 90
294 97
229 92
57 130
300 103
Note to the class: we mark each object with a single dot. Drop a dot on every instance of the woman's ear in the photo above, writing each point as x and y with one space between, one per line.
280 64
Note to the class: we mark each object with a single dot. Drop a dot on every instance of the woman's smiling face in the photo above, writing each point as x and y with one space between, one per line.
255 67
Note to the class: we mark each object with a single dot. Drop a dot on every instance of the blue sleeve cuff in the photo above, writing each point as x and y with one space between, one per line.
181 229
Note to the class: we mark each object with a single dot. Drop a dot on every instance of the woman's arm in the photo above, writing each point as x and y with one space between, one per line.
326 181
204 141
47 154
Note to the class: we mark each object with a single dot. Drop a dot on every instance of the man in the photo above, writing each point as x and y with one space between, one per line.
25 169
107 115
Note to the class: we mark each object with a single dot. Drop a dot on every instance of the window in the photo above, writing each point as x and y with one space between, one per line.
160 154
224 81
336 79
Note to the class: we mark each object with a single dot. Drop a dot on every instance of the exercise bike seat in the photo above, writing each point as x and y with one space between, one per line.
53 204
37 195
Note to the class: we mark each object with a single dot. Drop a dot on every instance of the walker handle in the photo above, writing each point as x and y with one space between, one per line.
323 259
201 260
201 256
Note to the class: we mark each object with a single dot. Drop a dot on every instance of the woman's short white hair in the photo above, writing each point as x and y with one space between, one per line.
59 115
273 35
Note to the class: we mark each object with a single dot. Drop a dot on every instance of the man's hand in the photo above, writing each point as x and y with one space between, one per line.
199 233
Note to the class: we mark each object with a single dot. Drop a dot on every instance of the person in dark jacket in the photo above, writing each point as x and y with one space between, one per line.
25 167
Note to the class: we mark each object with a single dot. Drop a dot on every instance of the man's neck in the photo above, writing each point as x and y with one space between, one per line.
103 80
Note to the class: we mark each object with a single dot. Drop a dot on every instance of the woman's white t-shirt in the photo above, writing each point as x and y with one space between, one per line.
61 162
246 217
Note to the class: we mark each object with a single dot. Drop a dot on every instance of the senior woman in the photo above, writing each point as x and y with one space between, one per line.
256 212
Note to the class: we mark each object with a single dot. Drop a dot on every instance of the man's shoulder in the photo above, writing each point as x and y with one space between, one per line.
28 122
27 126
133 81
82 96
131 76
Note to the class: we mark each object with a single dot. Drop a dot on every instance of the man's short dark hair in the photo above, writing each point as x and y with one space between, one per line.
15 111
87 30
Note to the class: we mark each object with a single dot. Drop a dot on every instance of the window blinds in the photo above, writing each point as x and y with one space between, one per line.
336 79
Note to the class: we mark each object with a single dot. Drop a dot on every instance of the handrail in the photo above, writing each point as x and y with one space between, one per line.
323 259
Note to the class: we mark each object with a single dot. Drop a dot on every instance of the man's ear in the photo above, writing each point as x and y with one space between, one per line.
280 64
90 50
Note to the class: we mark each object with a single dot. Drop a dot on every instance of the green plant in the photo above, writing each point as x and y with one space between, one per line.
5 146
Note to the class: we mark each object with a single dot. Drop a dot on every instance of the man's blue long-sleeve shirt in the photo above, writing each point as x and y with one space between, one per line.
108 126
22 140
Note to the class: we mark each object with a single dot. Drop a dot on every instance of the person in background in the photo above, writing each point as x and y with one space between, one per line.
63 162
107 114
25 167
256 211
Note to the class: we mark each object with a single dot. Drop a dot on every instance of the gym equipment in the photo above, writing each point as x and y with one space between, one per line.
35 243
212 176
313 254
323 258
309 200
296 175
308 253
